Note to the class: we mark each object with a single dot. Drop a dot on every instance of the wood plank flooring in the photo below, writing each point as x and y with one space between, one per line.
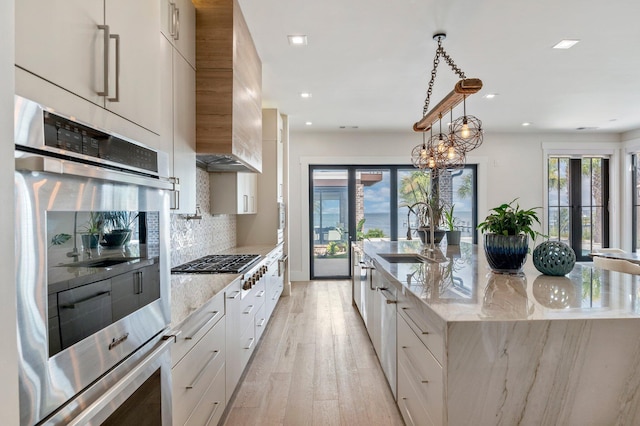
315 365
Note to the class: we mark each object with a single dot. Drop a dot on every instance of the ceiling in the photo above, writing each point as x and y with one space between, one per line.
368 63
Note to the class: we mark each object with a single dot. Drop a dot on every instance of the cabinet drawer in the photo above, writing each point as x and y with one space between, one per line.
196 325
211 406
422 370
247 344
410 403
428 328
260 321
194 373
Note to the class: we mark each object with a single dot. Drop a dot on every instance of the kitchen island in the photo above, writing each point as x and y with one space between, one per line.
478 348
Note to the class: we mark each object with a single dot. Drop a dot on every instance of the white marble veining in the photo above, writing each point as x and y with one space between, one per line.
528 349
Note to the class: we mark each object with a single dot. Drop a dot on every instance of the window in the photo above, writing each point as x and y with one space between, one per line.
578 195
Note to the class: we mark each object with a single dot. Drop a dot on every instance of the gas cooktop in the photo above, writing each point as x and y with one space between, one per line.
218 264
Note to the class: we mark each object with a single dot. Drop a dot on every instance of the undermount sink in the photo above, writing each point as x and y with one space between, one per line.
101 263
403 257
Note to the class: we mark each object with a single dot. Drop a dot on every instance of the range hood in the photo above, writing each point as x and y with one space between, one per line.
228 90
222 163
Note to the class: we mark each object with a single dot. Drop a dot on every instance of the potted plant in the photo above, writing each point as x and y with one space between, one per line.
117 227
453 234
506 240
90 232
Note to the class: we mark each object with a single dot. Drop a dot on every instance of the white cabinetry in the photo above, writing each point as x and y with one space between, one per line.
264 227
384 328
234 193
198 359
275 279
178 24
179 123
104 52
420 359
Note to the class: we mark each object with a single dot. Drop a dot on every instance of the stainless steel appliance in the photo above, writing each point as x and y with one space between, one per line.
92 271
218 264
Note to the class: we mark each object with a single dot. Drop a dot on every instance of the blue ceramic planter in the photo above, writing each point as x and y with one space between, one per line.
506 253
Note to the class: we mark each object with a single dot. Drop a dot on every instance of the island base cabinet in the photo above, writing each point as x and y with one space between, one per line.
420 380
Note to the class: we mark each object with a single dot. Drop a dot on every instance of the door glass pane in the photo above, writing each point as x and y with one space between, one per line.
462 197
330 223
373 204
412 185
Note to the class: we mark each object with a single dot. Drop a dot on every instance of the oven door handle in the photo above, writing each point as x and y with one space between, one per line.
105 399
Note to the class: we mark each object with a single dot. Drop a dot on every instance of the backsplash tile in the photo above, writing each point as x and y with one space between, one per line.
191 239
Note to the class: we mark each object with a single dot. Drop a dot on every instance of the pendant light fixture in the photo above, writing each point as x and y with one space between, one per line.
447 151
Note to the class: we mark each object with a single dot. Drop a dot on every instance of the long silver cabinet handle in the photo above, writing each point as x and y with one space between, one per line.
172 19
81 302
177 35
216 405
251 340
235 295
202 325
413 364
105 62
204 369
116 37
414 322
248 311
260 293
262 321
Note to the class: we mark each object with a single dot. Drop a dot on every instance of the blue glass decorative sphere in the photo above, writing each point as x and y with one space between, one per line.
554 258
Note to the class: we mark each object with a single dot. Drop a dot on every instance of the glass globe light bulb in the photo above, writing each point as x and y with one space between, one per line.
432 162
423 153
441 145
451 153
464 132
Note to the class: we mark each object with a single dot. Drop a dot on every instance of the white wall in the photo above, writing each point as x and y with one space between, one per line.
509 166
8 354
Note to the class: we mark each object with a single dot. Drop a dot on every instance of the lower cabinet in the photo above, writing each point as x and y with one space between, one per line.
198 374
420 379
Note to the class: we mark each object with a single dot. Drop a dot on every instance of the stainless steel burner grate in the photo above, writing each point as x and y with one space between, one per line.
218 264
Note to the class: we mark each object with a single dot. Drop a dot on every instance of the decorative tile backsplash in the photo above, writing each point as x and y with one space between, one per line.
191 239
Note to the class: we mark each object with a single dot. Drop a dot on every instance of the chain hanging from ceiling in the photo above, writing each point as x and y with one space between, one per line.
447 151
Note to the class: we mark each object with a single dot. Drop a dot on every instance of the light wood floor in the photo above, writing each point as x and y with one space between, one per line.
315 365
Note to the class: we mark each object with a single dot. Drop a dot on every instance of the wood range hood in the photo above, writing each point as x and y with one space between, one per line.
228 90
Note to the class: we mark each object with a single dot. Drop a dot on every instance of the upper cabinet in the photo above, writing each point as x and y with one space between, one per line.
106 52
229 85
234 193
178 24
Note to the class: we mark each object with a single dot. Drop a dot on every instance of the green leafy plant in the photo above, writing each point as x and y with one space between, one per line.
93 225
374 233
510 219
449 220
332 248
118 220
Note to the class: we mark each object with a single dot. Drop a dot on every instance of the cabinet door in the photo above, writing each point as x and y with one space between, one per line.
233 337
149 284
178 24
59 41
247 193
138 26
184 136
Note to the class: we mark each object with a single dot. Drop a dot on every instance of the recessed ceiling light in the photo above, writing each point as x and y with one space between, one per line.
308 123
525 124
305 95
490 95
297 40
565 44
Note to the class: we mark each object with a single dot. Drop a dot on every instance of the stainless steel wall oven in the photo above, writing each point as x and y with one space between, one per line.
91 270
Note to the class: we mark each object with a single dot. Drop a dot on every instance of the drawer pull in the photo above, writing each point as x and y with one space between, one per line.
260 293
203 324
251 340
248 311
424 381
204 369
261 322
213 413
413 321
235 295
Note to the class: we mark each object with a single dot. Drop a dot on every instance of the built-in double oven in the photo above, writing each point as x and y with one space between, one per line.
92 271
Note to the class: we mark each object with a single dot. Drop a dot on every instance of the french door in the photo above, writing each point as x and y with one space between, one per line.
347 203
578 203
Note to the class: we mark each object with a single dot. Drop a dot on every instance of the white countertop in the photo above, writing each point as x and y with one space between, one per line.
464 288
190 291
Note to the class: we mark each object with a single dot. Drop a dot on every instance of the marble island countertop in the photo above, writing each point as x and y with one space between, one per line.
190 291
463 288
